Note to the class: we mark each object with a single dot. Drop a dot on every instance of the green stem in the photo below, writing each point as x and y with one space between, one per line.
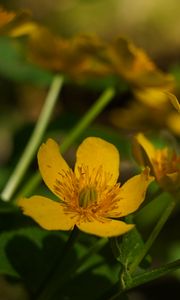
147 277
93 112
153 274
116 250
162 220
35 139
51 281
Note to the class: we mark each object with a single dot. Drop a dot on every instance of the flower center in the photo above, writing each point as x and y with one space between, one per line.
87 196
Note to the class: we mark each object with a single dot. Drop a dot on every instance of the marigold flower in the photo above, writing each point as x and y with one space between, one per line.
165 163
89 197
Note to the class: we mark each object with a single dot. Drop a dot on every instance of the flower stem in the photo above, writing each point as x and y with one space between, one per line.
147 277
51 281
162 220
93 112
154 274
34 140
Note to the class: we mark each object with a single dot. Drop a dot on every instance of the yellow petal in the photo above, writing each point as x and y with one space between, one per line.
108 228
51 164
146 145
173 122
132 194
152 97
174 101
47 213
25 28
94 153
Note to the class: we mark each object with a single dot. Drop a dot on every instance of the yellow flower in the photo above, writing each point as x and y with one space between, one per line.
134 65
89 197
165 163
87 56
80 56
151 109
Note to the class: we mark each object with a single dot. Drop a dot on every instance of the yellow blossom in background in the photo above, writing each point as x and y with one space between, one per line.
151 108
158 102
174 101
78 56
89 55
89 197
135 66
137 117
5 17
10 20
86 55
155 97
164 163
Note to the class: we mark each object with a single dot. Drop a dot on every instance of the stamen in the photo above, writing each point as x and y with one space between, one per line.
87 196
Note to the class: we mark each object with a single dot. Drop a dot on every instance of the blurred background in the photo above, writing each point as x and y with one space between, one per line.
153 25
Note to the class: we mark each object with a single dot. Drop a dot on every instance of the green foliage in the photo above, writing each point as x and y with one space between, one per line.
26 248
30 253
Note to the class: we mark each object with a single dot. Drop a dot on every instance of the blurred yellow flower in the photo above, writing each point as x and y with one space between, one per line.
86 55
151 108
90 197
78 56
134 65
5 17
174 101
165 163
10 21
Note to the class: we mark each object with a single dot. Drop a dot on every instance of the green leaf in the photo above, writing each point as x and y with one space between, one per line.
129 247
91 268
90 282
27 251
30 254
154 274
125 251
